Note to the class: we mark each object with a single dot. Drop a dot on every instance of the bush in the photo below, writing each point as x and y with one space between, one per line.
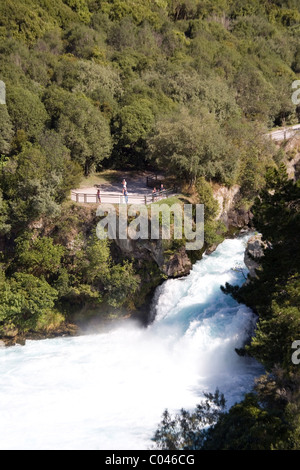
25 299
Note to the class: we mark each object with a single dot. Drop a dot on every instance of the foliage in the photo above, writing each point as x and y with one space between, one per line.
30 188
24 299
6 131
82 128
39 257
213 230
4 227
277 215
26 111
90 276
274 295
81 7
188 430
121 284
185 144
246 426
264 429
128 65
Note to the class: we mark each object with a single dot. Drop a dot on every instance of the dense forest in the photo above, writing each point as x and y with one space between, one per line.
188 87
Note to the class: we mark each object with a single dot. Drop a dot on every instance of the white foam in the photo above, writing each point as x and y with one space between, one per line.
108 391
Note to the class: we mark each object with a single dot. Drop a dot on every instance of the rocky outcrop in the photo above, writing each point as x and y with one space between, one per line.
226 198
253 253
230 213
178 264
11 337
173 265
292 150
141 249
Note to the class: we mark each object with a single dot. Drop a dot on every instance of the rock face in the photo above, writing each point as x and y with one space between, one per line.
174 265
254 251
179 264
229 212
225 197
292 150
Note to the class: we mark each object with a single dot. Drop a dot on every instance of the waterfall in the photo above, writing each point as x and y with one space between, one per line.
108 390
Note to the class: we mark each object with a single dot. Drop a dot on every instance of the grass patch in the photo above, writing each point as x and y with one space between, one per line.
170 201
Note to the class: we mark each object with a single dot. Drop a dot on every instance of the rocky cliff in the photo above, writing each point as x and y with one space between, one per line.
174 261
292 159
253 253
171 264
230 212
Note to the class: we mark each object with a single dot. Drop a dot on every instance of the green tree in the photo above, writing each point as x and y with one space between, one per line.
273 294
6 131
39 257
131 127
246 426
139 10
24 298
64 172
186 145
213 229
81 8
97 278
83 42
96 262
82 127
30 188
26 111
121 284
255 95
188 430
100 83
4 226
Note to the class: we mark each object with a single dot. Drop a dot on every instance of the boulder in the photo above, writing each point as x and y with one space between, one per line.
253 253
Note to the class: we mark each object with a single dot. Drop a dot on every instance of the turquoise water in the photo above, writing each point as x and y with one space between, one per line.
109 390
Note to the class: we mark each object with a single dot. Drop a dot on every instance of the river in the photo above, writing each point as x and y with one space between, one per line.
108 390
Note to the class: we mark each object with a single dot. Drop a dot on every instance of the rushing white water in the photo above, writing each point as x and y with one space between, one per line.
108 390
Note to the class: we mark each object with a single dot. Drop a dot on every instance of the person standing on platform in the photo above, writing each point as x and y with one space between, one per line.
99 196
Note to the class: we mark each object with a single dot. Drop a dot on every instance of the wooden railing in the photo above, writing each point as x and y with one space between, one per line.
114 198
153 181
93 198
159 195
284 133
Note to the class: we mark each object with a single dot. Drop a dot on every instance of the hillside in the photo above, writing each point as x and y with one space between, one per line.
184 87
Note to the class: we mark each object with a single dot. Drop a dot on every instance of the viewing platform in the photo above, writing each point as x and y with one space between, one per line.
140 191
